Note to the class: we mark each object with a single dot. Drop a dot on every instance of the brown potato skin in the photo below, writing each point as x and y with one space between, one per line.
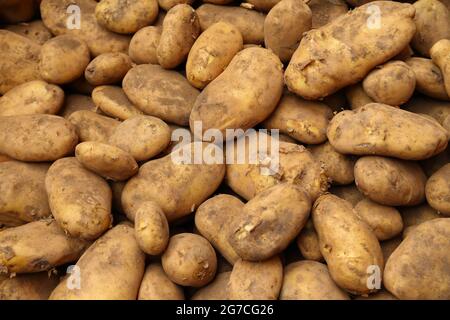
156 285
414 216
325 11
108 68
349 247
218 289
440 53
356 96
33 30
34 286
113 101
111 269
91 126
437 190
36 137
425 254
308 243
144 44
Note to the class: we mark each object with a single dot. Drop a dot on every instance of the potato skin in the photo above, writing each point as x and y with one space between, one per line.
218 289
350 247
308 243
325 11
155 285
91 126
212 52
79 199
37 246
437 190
144 44
440 53
36 137
108 68
429 78
34 286
309 280
113 102
33 30
110 269
425 253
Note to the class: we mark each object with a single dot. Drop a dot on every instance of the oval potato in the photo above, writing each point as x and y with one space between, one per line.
107 68
437 190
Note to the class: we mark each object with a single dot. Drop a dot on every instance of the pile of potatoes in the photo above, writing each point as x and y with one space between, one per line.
93 205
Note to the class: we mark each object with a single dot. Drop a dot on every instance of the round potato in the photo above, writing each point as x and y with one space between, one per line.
144 44
108 68
156 285
357 97
35 286
218 289
91 126
34 30
113 102
437 190
429 78
308 243
325 11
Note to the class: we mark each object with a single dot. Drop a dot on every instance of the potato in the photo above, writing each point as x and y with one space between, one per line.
37 246
325 11
36 137
76 102
19 62
432 20
392 83
14 11
151 228
429 79
437 190
385 222
179 31
156 285
284 27
161 93
380 295
22 192
91 126
249 22
308 243
389 246
189 260
35 286
126 17
342 52
144 44
111 269
306 121
32 97
349 247
79 199
99 40
446 3
218 289
213 220
349 193
440 53
382 130
357 96
212 52
169 4
113 101
390 182
108 68
255 233
256 280
338 167
229 101
34 30
424 253
414 216
310 280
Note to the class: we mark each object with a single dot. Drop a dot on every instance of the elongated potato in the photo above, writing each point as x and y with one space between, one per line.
414 216
438 190
357 97
325 11
218 289
35 286
352 263
77 102
108 68
111 269
79 199
308 243
91 126
144 44
113 102
37 246
440 53
156 285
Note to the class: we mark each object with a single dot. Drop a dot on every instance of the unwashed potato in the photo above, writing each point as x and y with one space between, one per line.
391 182
37 246
424 256
32 97
189 260
284 27
76 102
22 192
79 199
325 11
256 280
108 68
437 190
144 44
110 269
36 137
310 280
308 243
113 101
91 126
218 289
169 4
342 52
34 286
349 247
414 216
34 30
155 285
382 130
356 96
349 193
212 52
161 93
440 53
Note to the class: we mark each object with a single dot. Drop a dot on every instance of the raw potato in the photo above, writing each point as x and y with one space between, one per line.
151 228
256 280
342 52
108 68
77 102
35 286
179 31
212 52
37 246
36 137
156 285
113 102
63 59
189 260
440 53
243 95
161 93
308 243
169 4
255 233
351 250
111 269
438 190
126 17
91 126
284 27
218 289
144 44
414 216
325 11
22 192
34 30
390 182
357 97
310 280
79 199
349 193
34 97
249 22
306 121
382 130
424 254
142 136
